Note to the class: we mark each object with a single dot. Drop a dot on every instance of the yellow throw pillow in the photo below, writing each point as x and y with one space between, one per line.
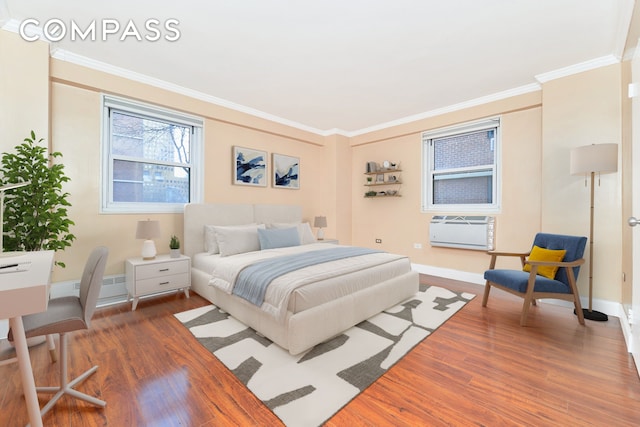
542 254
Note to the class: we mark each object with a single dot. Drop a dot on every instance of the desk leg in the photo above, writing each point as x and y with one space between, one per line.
26 373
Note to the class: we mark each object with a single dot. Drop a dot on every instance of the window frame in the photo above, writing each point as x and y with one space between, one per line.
427 204
196 150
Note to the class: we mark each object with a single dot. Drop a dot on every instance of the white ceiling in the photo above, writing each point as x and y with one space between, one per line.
344 66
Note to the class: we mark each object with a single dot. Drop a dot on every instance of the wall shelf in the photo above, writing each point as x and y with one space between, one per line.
383 177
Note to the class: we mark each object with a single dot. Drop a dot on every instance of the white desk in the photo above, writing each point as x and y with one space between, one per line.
25 292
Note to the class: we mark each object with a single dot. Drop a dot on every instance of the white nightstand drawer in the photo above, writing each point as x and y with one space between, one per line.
162 283
161 269
148 277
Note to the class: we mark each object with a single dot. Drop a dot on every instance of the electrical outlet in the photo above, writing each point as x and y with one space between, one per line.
378 240
417 246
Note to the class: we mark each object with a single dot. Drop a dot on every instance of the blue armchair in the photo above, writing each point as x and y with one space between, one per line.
531 285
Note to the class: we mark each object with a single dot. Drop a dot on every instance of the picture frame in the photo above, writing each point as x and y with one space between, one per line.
380 178
285 171
249 167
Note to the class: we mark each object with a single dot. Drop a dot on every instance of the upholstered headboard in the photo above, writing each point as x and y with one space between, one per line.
196 216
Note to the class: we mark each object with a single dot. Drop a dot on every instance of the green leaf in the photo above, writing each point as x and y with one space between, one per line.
35 217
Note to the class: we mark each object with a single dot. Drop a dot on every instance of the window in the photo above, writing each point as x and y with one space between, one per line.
151 158
460 167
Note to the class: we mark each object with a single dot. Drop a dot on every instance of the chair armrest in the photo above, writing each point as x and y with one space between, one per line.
496 254
518 254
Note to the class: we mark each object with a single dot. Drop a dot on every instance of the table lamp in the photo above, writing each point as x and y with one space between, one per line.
148 230
320 222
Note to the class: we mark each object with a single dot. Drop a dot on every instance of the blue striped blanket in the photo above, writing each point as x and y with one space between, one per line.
252 281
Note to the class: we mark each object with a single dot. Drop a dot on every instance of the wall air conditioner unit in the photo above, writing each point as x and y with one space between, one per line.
465 232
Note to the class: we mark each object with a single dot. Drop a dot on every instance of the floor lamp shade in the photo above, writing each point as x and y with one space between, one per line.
148 230
598 158
589 160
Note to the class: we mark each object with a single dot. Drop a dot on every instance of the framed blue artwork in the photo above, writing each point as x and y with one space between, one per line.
286 171
250 167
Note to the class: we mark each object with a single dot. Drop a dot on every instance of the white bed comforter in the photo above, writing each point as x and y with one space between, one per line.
226 270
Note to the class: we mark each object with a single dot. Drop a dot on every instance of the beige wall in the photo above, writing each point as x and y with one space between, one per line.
76 132
399 222
538 130
24 89
580 110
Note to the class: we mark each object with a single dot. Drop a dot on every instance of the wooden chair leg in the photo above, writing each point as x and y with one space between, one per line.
485 297
525 312
578 305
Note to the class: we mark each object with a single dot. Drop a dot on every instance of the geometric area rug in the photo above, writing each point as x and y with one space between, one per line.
309 388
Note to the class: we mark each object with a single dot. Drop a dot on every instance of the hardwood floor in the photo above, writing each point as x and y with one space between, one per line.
479 368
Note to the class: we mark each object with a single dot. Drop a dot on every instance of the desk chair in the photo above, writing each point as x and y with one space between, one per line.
67 314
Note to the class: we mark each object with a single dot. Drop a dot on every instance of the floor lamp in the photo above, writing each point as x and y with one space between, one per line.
589 160
3 189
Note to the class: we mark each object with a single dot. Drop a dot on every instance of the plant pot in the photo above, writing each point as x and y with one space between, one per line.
174 253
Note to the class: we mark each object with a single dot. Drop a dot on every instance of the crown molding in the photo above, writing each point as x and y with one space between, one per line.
581 67
533 87
65 55
625 15
13 25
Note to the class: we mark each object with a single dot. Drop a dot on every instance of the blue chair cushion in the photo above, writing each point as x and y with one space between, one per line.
518 279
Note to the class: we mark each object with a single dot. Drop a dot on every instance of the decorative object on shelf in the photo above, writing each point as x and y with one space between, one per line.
174 246
148 230
46 226
250 167
320 222
589 160
286 171
387 175
372 167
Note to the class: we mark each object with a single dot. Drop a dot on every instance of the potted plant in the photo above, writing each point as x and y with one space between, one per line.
174 246
35 215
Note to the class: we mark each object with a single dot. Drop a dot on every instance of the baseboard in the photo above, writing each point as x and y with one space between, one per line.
610 307
448 273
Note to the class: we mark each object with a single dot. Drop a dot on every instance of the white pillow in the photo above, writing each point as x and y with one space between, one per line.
234 240
210 242
306 235
304 230
283 224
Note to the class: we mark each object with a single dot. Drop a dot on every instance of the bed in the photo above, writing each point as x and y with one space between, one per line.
314 305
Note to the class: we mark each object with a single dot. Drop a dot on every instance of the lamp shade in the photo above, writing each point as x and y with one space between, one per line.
320 221
598 158
148 229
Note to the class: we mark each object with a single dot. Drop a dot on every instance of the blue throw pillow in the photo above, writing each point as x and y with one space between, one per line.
278 237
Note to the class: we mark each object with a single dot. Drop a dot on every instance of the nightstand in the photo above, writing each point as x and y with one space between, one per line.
161 274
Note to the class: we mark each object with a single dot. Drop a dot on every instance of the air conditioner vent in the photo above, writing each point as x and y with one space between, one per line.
465 232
